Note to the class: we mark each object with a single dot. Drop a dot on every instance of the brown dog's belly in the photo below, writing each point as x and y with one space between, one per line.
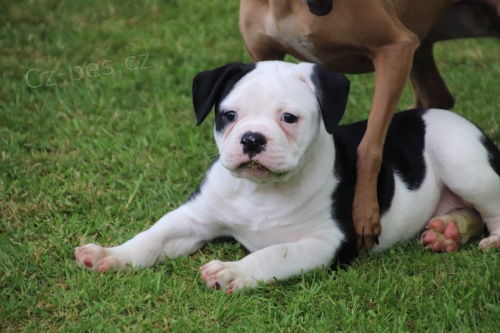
344 59
340 57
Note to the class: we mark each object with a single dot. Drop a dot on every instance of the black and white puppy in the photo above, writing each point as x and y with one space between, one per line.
283 185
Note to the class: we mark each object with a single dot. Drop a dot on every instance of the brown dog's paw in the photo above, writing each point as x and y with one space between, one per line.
367 231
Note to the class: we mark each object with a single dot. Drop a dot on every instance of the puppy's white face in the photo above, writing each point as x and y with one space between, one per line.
268 121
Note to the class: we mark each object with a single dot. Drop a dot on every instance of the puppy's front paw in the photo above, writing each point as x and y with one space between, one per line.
228 276
96 258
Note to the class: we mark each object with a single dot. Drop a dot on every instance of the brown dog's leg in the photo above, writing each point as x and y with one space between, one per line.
258 45
392 67
429 88
464 19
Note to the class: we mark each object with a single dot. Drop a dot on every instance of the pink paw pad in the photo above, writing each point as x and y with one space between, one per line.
87 261
441 236
103 266
448 232
83 257
92 257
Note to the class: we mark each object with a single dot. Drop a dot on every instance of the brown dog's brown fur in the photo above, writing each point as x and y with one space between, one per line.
360 36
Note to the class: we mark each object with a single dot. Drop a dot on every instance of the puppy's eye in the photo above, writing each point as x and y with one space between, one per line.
289 118
230 116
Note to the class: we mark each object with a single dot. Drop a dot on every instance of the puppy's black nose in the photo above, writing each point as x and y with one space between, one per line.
253 143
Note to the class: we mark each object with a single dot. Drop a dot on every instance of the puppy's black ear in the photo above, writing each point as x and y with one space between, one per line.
210 87
332 90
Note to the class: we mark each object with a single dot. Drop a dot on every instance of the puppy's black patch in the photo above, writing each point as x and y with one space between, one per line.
493 153
403 155
404 147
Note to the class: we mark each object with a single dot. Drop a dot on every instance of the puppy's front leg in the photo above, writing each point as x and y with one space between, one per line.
279 261
175 234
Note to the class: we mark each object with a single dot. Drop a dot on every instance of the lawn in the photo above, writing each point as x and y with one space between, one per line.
98 140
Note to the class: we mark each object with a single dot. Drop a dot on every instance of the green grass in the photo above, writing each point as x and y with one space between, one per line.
101 157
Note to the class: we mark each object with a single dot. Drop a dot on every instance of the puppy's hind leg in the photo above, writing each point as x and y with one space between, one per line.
487 200
478 185
468 163
491 210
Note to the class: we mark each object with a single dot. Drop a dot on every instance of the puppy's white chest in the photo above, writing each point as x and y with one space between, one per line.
257 219
260 218
258 234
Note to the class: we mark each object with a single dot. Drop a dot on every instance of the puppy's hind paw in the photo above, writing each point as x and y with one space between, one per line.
448 232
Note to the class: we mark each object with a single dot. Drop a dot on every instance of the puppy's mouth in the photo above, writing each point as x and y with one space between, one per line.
253 166
257 172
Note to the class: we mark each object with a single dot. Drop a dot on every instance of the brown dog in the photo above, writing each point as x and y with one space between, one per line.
356 36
